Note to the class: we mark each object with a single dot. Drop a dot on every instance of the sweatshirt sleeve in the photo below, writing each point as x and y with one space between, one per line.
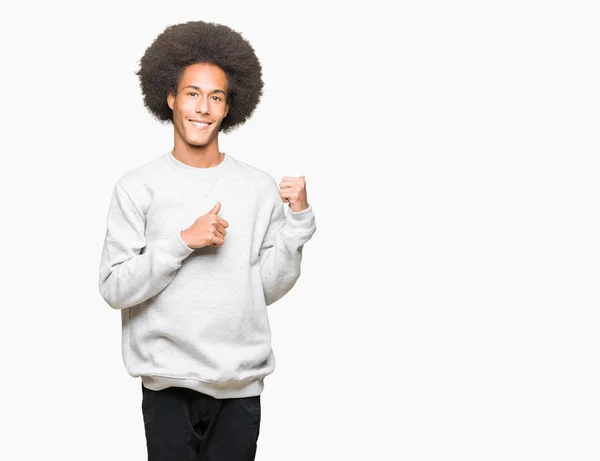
280 254
130 273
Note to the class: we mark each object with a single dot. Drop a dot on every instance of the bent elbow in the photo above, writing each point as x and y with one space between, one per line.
110 297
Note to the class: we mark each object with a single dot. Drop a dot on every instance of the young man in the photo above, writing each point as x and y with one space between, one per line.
198 244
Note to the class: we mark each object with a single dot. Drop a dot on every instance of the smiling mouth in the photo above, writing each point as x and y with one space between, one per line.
199 125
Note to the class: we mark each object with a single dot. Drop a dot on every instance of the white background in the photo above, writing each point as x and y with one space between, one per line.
448 305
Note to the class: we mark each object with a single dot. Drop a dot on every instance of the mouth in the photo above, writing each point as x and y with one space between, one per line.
200 124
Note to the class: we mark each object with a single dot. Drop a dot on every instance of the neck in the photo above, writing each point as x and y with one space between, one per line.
198 156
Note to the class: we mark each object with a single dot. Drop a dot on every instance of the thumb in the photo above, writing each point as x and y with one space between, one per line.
216 208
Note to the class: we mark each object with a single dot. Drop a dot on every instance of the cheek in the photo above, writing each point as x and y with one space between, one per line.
186 106
218 109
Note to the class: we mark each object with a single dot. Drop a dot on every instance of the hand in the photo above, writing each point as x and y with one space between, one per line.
208 229
293 191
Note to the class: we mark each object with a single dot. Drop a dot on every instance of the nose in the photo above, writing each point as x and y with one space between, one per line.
202 105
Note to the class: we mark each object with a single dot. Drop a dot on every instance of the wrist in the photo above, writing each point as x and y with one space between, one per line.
182 234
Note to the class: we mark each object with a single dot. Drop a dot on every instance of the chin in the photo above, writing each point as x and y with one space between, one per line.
197 141
201 140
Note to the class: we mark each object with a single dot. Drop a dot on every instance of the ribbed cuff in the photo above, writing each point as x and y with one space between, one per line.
301 220
177 249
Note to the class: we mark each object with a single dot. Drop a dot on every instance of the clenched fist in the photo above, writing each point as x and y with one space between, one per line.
208 229
293 191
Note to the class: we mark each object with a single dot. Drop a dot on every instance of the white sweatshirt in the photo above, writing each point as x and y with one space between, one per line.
197 318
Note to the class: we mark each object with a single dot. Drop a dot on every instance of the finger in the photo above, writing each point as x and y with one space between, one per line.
219 233
218 241
299 183
290 191
216 208
223 223
286 196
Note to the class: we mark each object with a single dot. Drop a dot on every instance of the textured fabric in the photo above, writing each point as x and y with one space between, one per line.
197 318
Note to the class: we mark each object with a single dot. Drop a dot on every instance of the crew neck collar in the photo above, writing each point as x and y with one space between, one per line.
196 172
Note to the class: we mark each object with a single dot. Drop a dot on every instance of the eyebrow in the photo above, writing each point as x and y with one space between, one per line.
200 89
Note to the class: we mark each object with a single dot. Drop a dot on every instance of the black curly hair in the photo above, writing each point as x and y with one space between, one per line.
182 45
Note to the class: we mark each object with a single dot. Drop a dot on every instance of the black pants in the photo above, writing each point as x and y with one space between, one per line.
185 425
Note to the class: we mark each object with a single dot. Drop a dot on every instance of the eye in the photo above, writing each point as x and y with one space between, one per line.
217 98
192 93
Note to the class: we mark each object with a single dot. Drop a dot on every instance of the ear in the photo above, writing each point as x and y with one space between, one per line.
170 99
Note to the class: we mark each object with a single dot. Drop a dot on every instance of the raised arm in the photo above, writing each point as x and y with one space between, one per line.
280 255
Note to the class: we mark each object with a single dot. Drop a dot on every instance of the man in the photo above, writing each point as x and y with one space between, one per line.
198 244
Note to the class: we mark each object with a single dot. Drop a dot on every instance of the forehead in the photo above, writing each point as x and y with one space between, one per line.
204 75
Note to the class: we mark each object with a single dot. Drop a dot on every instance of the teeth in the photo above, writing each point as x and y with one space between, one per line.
199 124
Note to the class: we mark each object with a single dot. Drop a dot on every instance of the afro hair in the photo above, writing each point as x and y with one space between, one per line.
182 45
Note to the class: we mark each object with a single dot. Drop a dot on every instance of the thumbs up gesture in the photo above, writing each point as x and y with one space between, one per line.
293 191
208 229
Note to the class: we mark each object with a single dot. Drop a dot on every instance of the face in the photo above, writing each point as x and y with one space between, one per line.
200 105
